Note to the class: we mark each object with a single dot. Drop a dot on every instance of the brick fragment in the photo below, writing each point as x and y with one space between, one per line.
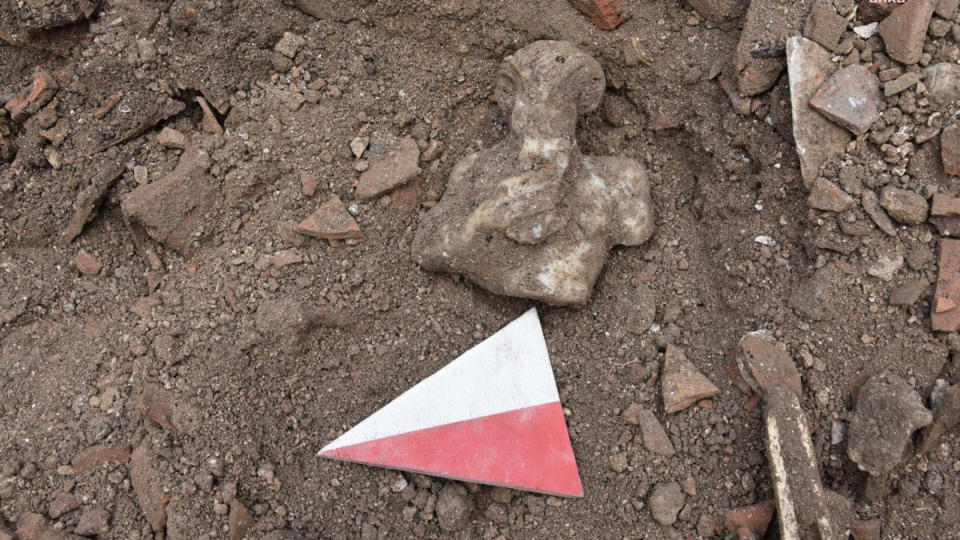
606 14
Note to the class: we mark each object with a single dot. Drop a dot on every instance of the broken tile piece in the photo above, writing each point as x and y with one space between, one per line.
904 30
750 521
945 205
606 14
31 99
655 438
887 412
802 505
682 384
763 363
851 98
824 25
759 53
946 414
331 221
827 196
148 486
816 138
950 149
390 172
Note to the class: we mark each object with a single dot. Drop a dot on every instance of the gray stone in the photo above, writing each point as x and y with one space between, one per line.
901 83
887 413
943 83
453 507
816 138
904 206
871 205
665 502
851 98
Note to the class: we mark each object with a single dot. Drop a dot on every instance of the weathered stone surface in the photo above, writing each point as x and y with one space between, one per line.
887 413
943 83
816 138
904 205
851 98
871 205
531 216
86 264
682 384
759 53
173 209
718 10
148 486
827 196
606 14
665 502
816 297
390 172
763 363
950 149
96 456
824 25
802 505
331 221
904 30
29 101
946 415
908 293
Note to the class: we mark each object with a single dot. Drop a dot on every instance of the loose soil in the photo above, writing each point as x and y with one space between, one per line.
252 395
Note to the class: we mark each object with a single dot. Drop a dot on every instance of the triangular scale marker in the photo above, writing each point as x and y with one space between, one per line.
491 416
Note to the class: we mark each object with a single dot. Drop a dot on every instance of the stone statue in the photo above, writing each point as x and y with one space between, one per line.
532 217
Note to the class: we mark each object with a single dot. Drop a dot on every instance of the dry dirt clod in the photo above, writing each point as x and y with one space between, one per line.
93 521
359 145
887 413
96 456
666 502
816 138
903 32
86 263
717 10
32 526
903 205
531 216
764 364
454 507
907 294
803 509
61 504
682 384
606 14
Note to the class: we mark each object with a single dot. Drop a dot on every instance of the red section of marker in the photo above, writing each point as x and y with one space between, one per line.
523 449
